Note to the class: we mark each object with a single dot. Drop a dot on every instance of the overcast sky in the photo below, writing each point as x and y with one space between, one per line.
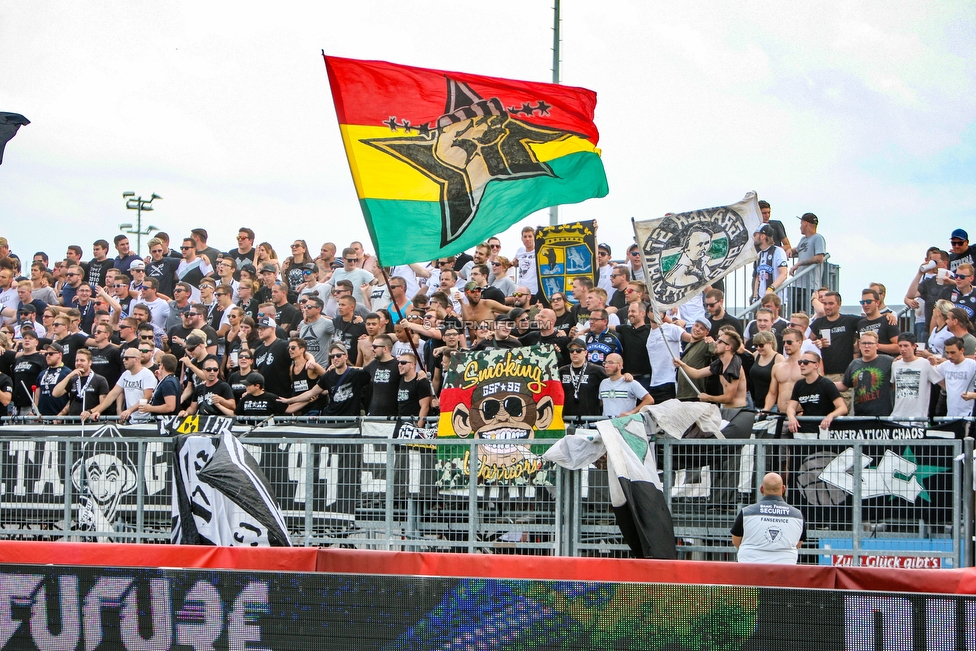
862 113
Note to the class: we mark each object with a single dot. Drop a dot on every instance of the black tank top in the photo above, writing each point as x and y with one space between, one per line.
300 383
762 377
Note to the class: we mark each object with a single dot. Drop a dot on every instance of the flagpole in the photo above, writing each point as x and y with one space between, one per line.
554 210
400 316
654 307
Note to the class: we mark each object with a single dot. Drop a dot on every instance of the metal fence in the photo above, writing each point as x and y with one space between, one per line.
905 502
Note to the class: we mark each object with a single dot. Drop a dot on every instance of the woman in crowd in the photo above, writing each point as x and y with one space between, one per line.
760 374
266 255
503 281
246 299
292 270
245 366
304 373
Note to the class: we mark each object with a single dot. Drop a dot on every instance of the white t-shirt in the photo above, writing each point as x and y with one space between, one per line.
693 309
158 310
912 383
958 380
134 389
620 395
605 283
525 261
662 362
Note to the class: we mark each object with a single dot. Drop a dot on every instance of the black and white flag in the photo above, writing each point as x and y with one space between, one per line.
685 252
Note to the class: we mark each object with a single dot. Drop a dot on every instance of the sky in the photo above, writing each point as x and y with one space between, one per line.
861 112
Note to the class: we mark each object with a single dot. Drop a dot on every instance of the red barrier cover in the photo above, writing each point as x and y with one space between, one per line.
351 561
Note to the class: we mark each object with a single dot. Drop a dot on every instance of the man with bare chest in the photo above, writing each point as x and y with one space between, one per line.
786 373
476 310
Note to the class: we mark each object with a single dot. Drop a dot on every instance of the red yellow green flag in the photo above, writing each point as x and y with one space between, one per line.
444 160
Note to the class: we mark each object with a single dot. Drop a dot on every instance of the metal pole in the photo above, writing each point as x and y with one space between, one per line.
554 210
967 503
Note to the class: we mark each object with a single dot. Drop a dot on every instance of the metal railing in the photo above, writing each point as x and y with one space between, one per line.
350 484
795 293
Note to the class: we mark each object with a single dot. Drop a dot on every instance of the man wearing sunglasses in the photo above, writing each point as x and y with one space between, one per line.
135 384
213 397
814 394
384 379
344 384
162 268
414 392
352 272
47 403
878 323
960 251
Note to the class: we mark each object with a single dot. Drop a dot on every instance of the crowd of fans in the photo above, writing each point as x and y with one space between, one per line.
196 330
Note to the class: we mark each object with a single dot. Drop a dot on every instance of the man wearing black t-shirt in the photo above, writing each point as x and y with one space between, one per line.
344 384
413 394
870 379
876 322
814 394
84 387
961 252
256 401
214 397
715 304
106 358
384 379
26 369
835 334
581 383
779 230
347 332
633 340
99 265
271 359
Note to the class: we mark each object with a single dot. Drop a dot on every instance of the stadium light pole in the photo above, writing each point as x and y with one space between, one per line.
138 204
554 210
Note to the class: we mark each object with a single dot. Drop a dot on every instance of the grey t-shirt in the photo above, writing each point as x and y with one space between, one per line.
318 336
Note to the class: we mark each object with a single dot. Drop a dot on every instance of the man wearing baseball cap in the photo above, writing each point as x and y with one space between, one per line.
606 268
271 358
769 269
812 250
961 252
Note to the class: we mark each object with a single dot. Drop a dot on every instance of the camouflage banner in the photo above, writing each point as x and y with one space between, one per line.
565 252
507 395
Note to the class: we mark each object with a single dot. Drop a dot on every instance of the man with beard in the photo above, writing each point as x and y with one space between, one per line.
477 309
83 387
414 394
619 396
271 359
384 379
162 269
213 397
345 385
633 340
27 366
47 403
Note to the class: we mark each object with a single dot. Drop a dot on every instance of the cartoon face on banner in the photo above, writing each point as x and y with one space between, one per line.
511 396
102 476
563 253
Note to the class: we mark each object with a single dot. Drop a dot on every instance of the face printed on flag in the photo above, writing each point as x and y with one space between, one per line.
685 252
508 396
453 158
